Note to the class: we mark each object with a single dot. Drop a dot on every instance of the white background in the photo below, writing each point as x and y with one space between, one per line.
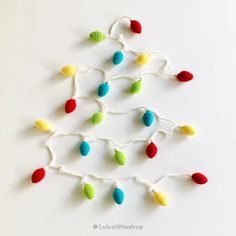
39 37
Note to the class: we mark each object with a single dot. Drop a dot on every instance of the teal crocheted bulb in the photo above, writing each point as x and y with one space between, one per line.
103 89
117 58
118 196
84 148
148 118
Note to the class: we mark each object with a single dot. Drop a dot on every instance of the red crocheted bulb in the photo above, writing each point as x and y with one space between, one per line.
199 178
151 150
38 175
184 76
70 105
135 26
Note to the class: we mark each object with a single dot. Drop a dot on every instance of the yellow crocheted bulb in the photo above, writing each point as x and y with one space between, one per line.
160 198
68 70
187 130
42 125
142 59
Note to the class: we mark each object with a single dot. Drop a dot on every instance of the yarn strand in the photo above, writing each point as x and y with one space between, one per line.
109 78
114 25
61 169
106 110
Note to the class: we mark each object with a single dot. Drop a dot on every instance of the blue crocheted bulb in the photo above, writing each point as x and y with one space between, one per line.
118 196
117 58
84 148
103 89
148 118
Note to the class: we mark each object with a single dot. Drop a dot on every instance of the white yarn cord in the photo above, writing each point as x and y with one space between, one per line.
114 25
105 109
109 78
83 177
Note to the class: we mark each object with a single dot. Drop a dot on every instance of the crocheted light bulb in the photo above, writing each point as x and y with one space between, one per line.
70 105
84 148
160 198
136 87
42 125
103 89
97 118
97 36
68 70
184 76
199 178
38 175
142 59
118 196
88 191
120 157
135 27
151 150
117 58
187 130
148 118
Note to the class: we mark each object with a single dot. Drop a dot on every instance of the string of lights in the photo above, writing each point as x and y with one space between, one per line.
104 87
147 116
119 156
86 186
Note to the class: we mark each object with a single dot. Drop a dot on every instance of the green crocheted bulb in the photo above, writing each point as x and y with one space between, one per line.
97 36
97 118
88 191
120 157
136 87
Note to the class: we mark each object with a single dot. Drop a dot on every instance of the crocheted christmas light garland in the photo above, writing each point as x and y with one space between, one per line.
118 194
142 57
103 89
149 116
119 156
136 85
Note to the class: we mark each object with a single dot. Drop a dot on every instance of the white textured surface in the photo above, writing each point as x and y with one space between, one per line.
38 37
